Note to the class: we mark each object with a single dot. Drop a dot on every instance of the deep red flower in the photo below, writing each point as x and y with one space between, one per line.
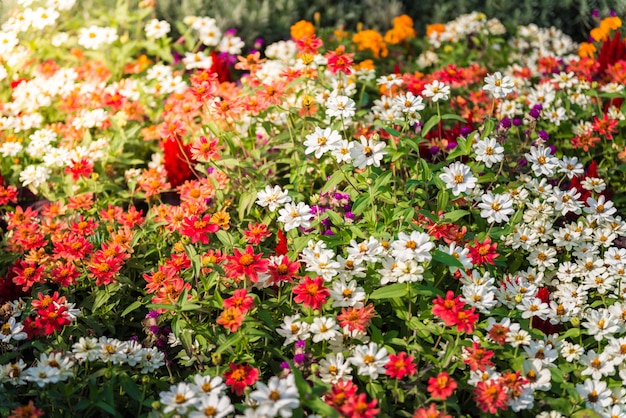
441 386
7 195
400 366
605 126
311 292
339 60
240 376
281 245
79 168
245 264
611 51
177 161
465 320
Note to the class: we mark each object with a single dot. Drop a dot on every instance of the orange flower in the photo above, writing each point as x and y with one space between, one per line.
599 34
586 50
435 27
611 23
301 29
370 40
401 31
231 318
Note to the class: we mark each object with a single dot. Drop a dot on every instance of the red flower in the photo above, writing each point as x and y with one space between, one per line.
497 333
339 394
484 252
281 245
430 412
27 274
309 44
400 366
240 300
465 320
442 386
605 126
339 60
198 229
65 274
53 318
79 168
357 407
282 270
490 396
256 233
231 318
311 292
356 318
245 264
478 358
26 411
7 195
240 376
177 161
447 309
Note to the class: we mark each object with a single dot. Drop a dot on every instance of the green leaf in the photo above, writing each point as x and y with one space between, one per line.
107 408
451 116
230 341
136 304
334 180
586 413
455 215
396 290
442 200
434 120
447 259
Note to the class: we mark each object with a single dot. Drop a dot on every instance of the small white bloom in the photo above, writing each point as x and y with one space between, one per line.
367 152
272 198
436 91
458 177
499 86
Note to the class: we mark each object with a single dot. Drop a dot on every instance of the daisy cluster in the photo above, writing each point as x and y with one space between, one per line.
324 236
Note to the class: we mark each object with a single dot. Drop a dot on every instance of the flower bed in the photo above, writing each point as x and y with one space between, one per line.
340 224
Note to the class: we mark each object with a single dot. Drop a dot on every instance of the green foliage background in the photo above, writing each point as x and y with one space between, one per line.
271 19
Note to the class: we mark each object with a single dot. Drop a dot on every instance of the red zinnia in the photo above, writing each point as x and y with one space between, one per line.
358 407
311 292
245 264
430 412
400 366
484 252
478 357
231 318
356 318
490 396
240 300
198 229
177 161
256 233
465 320
447 309
240 376
442 386
282 270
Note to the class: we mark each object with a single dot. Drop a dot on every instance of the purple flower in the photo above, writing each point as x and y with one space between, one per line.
543 135
152 314
465 131
595 13
299 358
301 344
517 122
285 365
505 123
535 113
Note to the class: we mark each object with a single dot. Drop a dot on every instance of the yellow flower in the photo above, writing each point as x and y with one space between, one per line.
370 40
301 29
586 49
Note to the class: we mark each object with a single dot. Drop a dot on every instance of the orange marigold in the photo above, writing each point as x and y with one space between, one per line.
586 50
401 31
370 40
611 23
435 27
301 29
